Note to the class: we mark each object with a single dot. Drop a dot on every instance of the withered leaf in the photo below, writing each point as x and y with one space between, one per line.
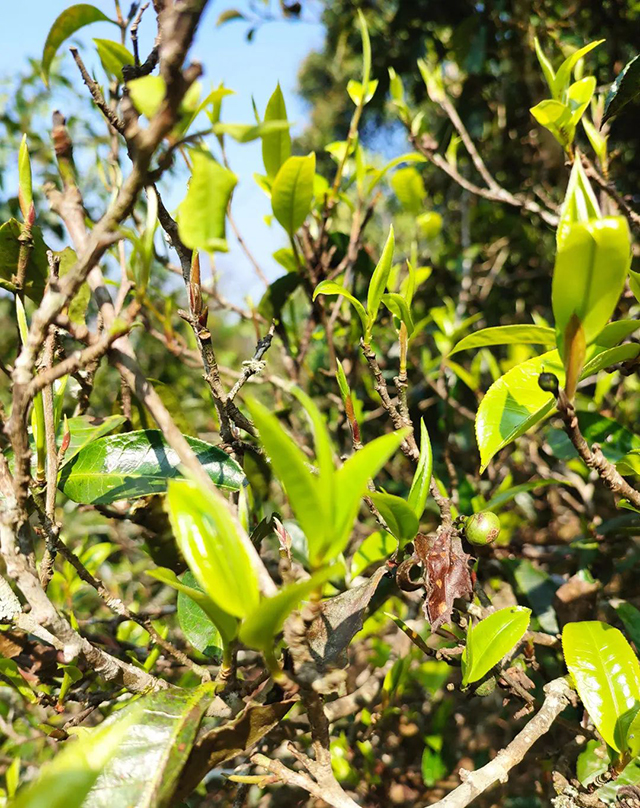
229 740
339 620
446 574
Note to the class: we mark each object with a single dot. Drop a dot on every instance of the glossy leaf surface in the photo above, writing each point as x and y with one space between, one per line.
491 639
136 464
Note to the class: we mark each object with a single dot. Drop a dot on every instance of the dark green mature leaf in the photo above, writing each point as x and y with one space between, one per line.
606 674
210 541
37 266
153 752
538 588
613 438
276 146
278 294
398 514
70 21
292 191
201 219
630 617
507 335
625 88
136 464
491 639
86 428
77 308
66 781
199 630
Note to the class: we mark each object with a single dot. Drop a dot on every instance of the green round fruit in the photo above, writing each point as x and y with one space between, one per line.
482 528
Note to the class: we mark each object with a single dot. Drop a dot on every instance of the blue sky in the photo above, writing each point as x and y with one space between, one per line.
254 68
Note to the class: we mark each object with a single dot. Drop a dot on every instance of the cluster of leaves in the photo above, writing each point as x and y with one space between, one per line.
292 563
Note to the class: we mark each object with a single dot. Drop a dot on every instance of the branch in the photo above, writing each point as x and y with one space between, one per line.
475 783
593 458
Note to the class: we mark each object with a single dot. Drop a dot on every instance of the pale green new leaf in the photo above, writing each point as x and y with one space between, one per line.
563 75
491 639
374 548
25 187
209 538
397 305
292 192
302 486
589 274
545 64
261 626
515 403
506 335
606 674
201 219
276 146
398 514
114 56
408 186
351 484
580 203
333 288
422 478
378 282
226 624
578 97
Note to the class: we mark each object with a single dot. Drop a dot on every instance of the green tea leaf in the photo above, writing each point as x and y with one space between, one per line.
292 192
545 64
86 428
514 403
378 282
422 478
37 266
563 75
247 132
276 146
351 484
397 305
625 88
291 468
114 56
408 186
506 335
196 626
202 214
580 203
209 539
398 514
376 547
259 629
25 187
136 464
154 750
226 624
491 639
66 781
70 21
333 288
606 674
